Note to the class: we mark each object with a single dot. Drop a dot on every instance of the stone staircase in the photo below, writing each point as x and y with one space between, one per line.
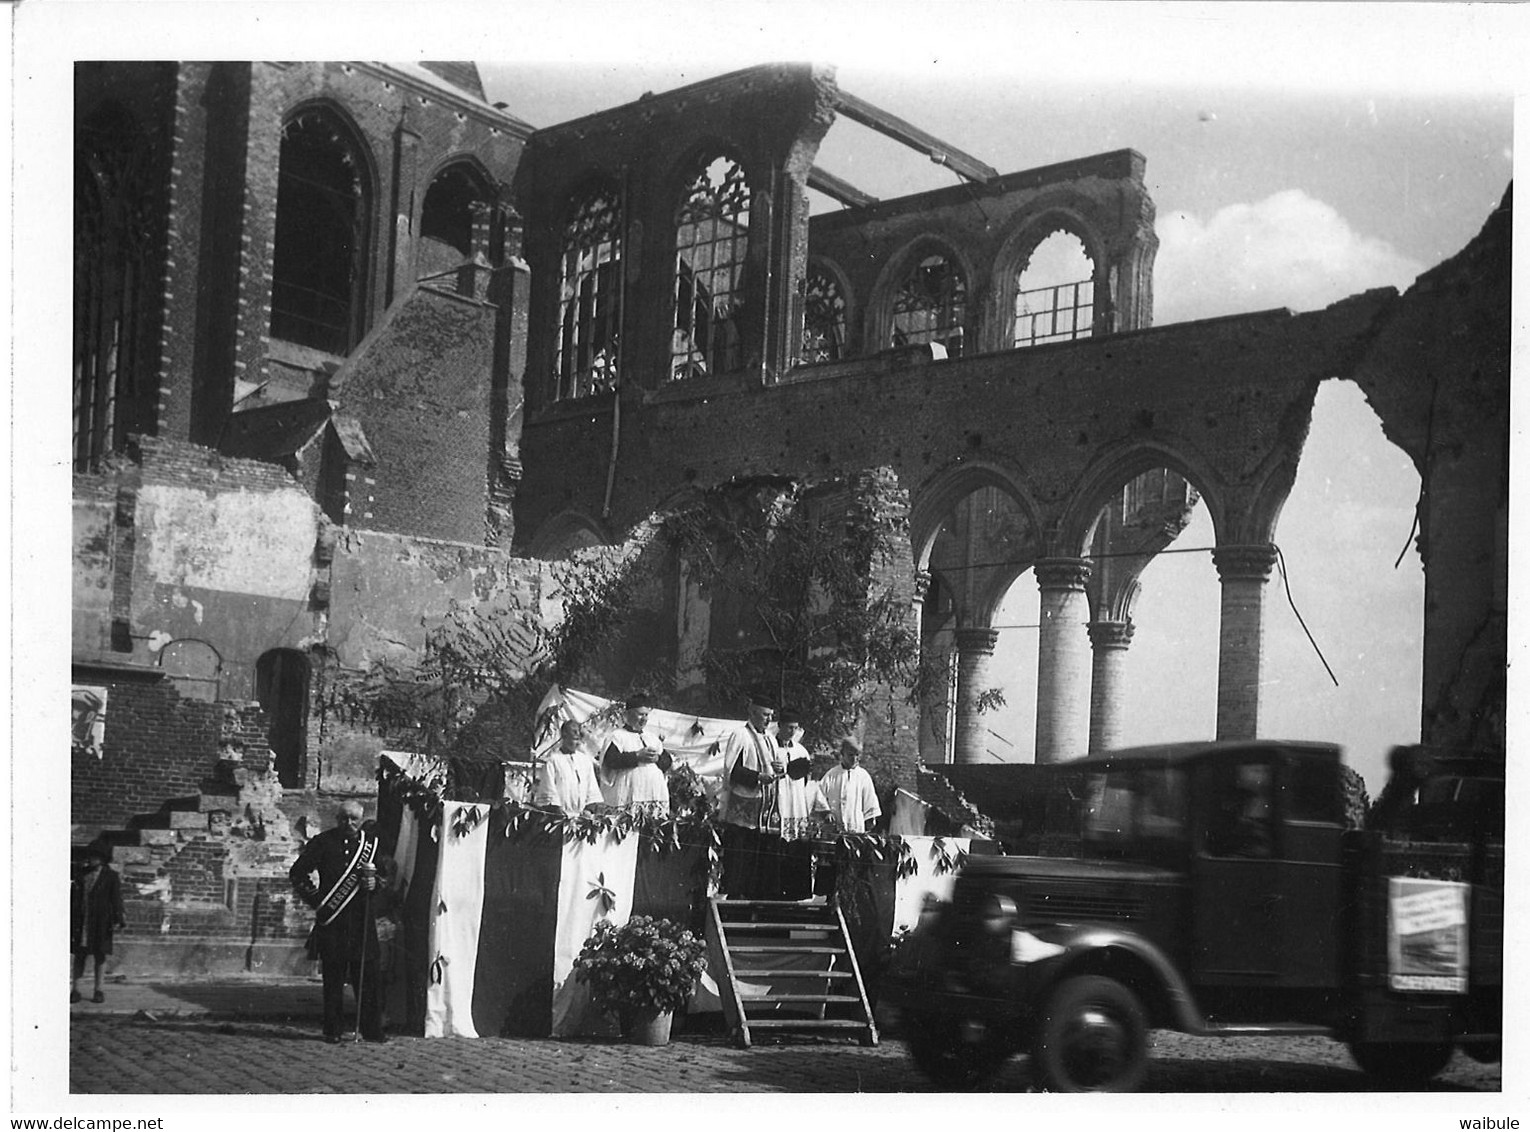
204 882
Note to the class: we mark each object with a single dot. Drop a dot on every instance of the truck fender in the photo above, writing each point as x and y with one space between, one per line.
1085 945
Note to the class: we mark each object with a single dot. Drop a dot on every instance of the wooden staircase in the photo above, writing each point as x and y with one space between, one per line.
783 965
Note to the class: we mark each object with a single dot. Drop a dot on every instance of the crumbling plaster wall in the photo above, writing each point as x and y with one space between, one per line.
175 542
387 592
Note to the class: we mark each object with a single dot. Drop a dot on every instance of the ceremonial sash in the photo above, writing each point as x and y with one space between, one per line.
335 900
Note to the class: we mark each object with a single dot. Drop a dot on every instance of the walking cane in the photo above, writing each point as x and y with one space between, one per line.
361 971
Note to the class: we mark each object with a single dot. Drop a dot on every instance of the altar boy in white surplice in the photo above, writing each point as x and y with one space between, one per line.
847 788
567 779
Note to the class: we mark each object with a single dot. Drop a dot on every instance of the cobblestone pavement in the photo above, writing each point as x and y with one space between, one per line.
205 1041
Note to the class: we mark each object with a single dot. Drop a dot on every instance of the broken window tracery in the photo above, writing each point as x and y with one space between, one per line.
113 237
823 318
1054 296
711 241
589 297
323 215
931 305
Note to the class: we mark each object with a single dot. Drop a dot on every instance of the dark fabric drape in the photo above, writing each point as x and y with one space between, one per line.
512 988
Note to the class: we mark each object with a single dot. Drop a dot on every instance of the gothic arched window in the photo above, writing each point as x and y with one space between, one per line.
823 318
930 305
711 242
589 297
1054 296
323 217
114 233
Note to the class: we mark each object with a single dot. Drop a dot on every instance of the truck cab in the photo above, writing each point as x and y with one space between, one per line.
1213 888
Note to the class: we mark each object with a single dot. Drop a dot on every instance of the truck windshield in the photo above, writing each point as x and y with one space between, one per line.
1131 805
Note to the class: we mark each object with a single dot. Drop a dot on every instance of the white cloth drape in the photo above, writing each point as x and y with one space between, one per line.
909 894
455 925
609 864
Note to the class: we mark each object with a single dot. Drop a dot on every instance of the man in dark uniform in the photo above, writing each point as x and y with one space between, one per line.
345 929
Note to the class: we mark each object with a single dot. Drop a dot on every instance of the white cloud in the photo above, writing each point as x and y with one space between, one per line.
1288 250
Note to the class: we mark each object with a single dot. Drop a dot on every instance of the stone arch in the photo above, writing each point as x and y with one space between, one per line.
325 233
565 533
1113 467
935 501
878 319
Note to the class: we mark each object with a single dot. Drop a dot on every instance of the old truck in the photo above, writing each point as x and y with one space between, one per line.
1219 889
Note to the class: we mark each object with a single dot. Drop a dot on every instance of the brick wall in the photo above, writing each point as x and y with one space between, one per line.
158 746
421 391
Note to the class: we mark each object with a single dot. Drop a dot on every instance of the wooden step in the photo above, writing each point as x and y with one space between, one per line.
816 933
777 973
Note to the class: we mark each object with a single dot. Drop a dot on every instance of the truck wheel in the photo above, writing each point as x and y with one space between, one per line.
1092 1038
1401 1063
953 1053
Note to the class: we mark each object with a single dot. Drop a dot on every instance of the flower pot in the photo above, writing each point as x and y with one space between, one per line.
646 1027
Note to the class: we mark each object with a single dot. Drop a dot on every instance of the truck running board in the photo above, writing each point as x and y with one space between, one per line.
1261 1030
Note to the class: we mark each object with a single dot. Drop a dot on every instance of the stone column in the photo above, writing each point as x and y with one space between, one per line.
1062 667
1244 570
974 647
1110 640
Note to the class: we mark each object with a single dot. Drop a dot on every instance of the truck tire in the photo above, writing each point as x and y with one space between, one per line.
1401 1063
949 1054
1092 1037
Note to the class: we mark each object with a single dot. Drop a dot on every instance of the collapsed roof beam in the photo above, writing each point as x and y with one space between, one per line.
842 191
962 164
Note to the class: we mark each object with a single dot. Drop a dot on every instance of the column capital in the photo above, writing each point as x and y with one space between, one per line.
1111 634
979 640
1067 574
1251 563
922 580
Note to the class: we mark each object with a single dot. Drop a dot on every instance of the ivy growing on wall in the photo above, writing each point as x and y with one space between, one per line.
801 572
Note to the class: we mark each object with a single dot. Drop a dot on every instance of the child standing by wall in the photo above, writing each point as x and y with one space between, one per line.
95 909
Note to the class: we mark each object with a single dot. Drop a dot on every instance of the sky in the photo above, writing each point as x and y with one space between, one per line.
1296 153
1273 189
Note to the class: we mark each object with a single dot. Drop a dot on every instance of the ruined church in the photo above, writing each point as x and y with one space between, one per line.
355 347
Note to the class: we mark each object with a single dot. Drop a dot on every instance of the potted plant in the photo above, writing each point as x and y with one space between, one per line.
641 972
